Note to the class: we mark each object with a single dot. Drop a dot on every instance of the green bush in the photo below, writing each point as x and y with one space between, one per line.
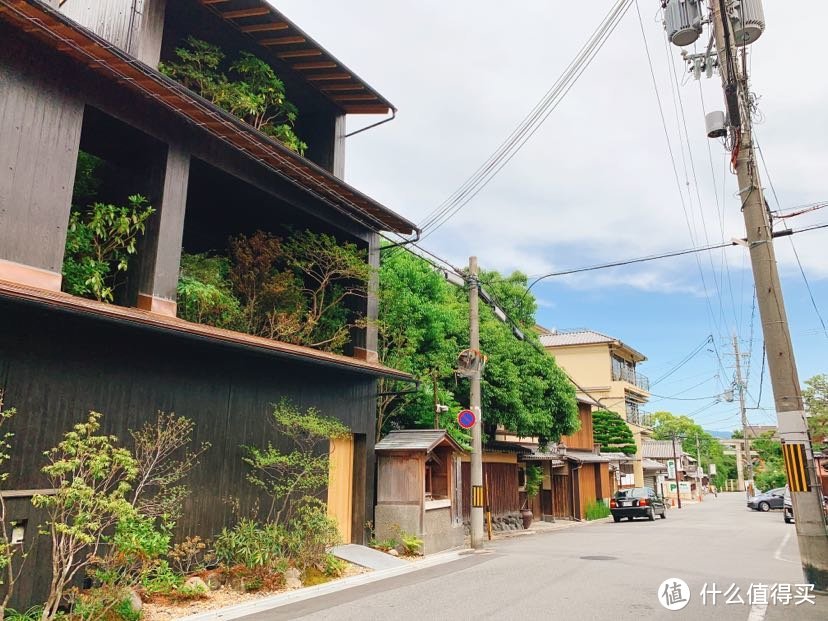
161 579
100 241
32 614
205 294
412 544
104 604
310 533
597 510
334 567
251 545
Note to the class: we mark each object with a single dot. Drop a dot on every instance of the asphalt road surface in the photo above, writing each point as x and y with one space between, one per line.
599 571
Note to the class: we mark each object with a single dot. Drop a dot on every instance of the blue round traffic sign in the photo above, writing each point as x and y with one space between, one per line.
466 419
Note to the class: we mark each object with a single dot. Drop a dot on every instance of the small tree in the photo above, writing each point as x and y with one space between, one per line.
816 400
287 477
253 92
8 552
99 244
163 461
91 477
610 430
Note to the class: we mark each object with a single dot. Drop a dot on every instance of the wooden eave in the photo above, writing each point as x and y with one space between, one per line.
137 318
270 29
72 40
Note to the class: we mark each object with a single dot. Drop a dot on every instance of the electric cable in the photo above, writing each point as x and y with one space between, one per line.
527 128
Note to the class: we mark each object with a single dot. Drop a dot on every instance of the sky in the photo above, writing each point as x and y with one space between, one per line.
596 183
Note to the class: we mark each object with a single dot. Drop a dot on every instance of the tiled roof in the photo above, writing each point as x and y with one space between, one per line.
660 449
566 338
424 440
581 337
651 464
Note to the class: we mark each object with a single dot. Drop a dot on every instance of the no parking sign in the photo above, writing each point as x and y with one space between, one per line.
466 419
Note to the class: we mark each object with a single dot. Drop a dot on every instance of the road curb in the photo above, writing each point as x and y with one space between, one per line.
283 599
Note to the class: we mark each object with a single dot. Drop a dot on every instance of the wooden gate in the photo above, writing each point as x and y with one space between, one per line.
561 504
341 484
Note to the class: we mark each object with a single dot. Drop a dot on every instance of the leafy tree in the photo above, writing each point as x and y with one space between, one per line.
91 476
423 326
296 291
205 293
100 242
419 323
770 471
290 477
816 401
252 92
665 425
612 432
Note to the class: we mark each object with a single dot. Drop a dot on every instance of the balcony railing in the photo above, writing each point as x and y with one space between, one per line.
626 374
637 417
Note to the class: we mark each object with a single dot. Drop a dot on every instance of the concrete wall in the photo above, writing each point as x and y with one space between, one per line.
439 532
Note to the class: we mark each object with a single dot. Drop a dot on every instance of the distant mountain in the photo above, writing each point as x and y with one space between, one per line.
719 434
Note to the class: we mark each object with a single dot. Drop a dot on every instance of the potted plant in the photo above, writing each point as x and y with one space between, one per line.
534 479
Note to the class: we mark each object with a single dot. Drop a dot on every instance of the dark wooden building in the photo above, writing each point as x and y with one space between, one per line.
84 76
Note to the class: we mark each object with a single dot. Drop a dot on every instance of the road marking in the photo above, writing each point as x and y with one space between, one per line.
757 612
778 554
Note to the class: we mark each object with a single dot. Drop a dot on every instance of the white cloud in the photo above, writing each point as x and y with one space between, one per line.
596 182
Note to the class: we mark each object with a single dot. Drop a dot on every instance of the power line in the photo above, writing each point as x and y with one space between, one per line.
684 361
527 128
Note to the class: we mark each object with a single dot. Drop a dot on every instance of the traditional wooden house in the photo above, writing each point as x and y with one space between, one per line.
575 473
419 490
84 75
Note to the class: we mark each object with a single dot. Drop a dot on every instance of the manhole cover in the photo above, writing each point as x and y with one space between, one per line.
599 558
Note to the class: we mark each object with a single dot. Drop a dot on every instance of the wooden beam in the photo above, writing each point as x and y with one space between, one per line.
355 97
299 54
343 87
329 76
266 27
367 109
212 1
322 64
240 13
282 40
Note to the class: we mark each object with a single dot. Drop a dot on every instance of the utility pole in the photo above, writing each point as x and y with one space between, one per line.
474 403
436 399
698 468
676 471
812 536
745 437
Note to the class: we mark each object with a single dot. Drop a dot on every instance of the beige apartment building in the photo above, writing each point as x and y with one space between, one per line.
605 369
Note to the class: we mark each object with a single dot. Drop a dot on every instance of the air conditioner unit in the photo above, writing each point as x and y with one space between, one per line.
683 21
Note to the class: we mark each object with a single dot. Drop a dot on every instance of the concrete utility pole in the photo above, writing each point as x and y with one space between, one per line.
474 403
698 468
745 438
793 428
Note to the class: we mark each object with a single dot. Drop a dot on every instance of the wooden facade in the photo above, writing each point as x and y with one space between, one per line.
501 481
209 176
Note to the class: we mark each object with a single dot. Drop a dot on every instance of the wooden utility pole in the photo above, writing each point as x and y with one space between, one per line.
474 403
812 536
676 472
743 410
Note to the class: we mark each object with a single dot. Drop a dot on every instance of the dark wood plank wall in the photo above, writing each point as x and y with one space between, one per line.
40 125
503 488
136 26
561 496
56 367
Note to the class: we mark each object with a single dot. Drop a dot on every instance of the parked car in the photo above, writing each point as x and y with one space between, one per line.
787 510
771 499
637 502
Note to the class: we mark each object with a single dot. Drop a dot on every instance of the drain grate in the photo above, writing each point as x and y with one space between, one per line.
598 558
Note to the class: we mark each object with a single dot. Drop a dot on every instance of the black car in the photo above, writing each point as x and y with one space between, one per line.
771 499
637 502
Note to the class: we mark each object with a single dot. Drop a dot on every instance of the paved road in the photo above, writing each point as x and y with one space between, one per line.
550 576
